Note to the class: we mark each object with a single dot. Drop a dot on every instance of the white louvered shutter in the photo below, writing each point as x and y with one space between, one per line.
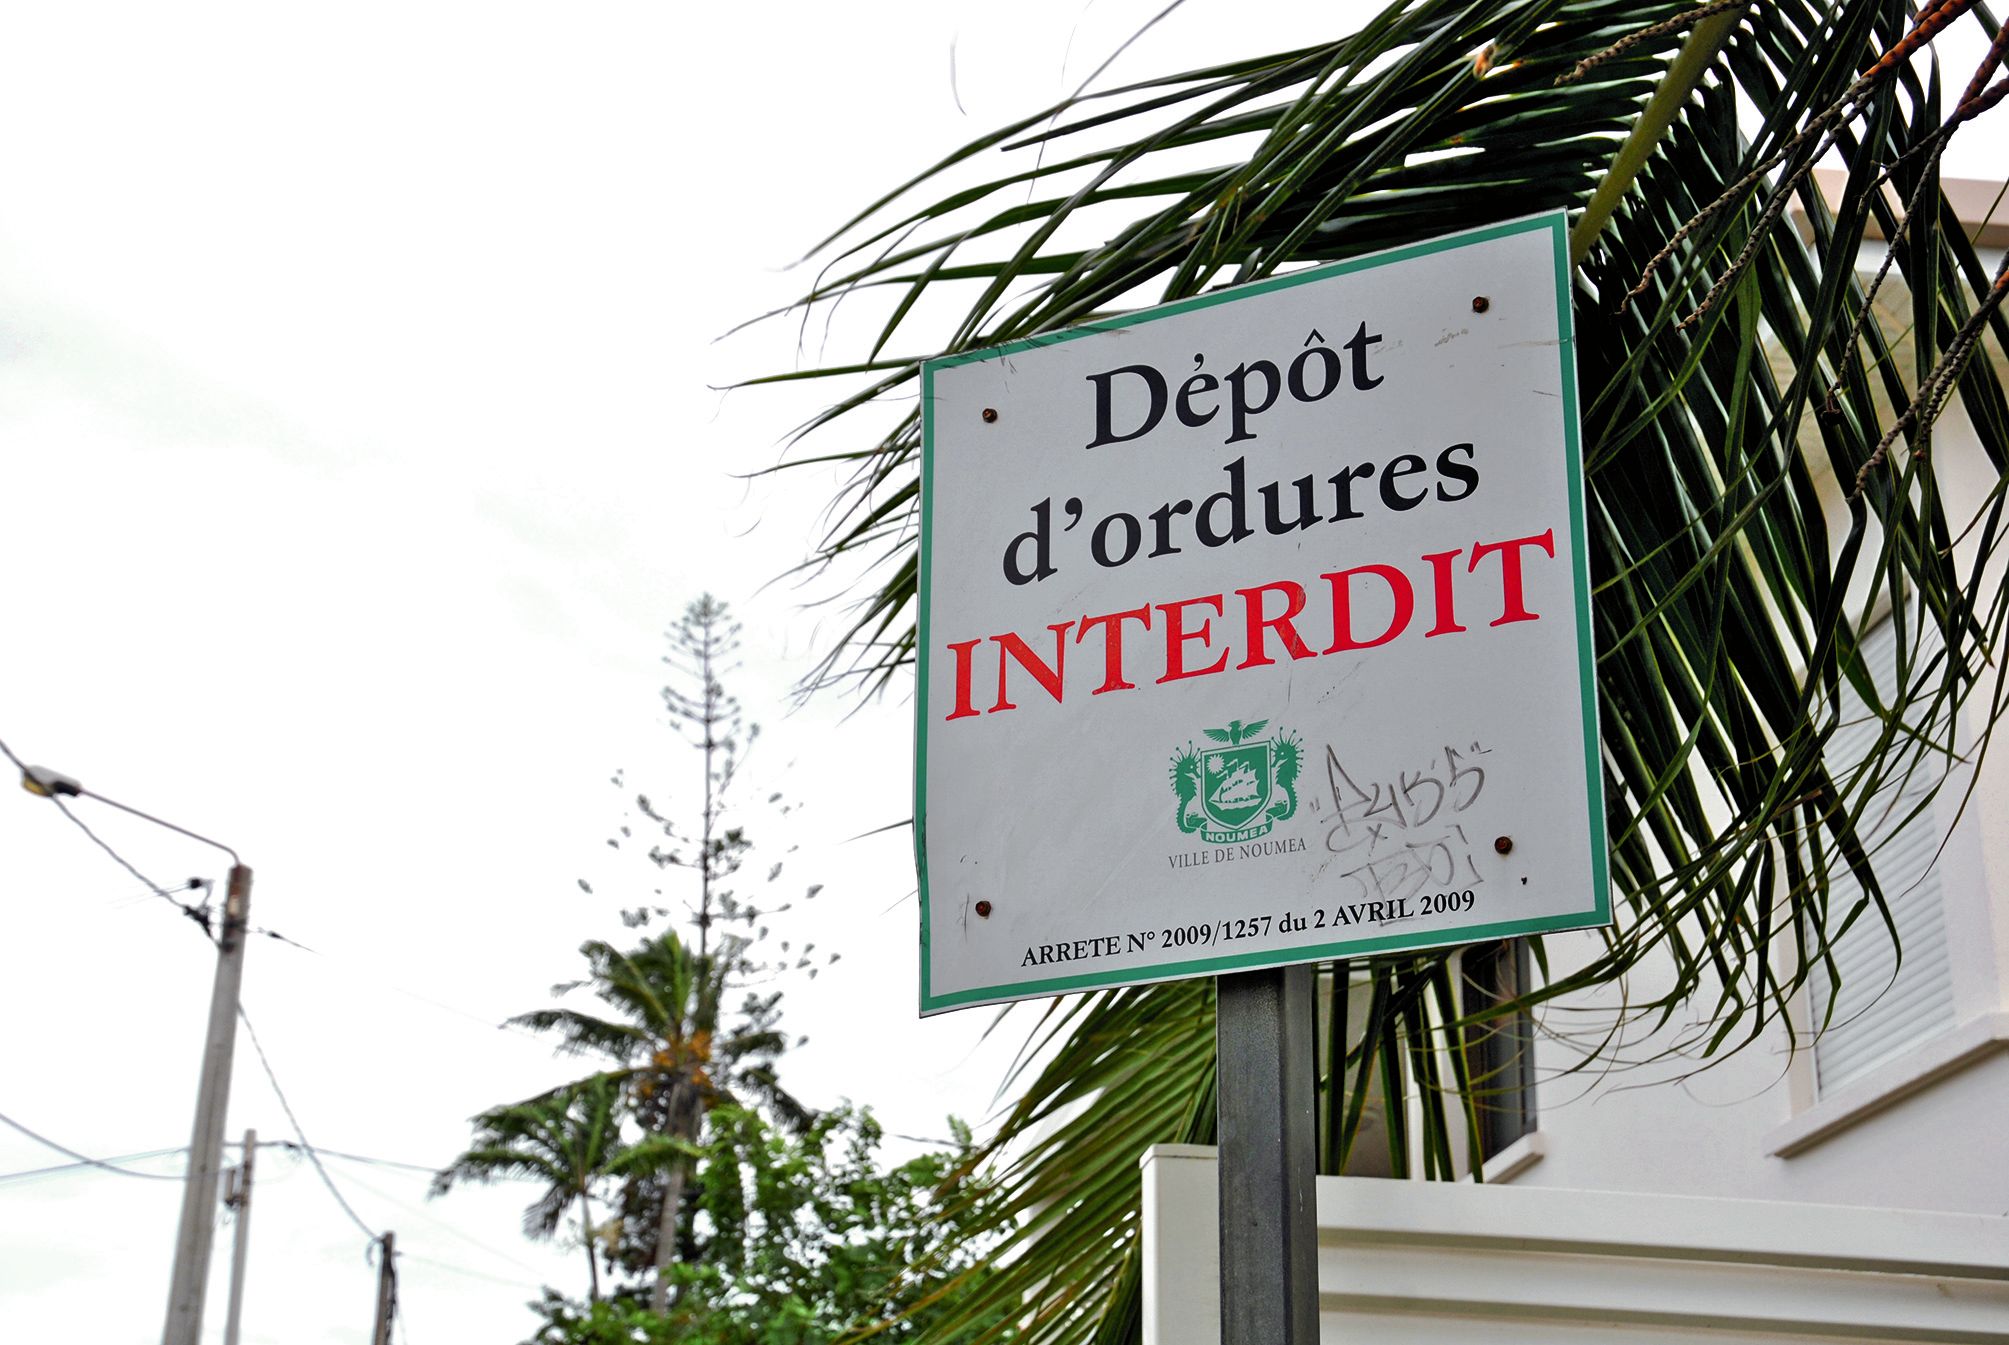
1875 1018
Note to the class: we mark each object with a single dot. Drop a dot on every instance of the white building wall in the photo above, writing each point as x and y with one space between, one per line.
1927 1132
1403 1262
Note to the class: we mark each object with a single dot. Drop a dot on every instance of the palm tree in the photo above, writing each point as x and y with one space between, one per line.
570 1140
1726 620
673 1057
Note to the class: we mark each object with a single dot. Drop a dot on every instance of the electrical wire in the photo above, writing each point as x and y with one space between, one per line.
202 917
199 914
355 968
356 1158
444 1226
85 1165
289 1145
87 1160
299 1134
202 885
459 1270
295 943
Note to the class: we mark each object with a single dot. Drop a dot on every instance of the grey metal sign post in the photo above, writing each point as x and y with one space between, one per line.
1268 1147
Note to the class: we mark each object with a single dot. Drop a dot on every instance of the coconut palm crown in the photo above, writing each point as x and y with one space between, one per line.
568 1140
679 1058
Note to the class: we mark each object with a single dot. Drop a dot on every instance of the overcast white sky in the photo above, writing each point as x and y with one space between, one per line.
359 436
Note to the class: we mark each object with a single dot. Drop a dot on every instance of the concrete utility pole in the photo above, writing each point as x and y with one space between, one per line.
239 1199
387 1289
205 1147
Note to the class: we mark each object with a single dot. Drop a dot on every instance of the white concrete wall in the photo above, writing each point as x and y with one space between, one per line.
1403 1262
1928 1132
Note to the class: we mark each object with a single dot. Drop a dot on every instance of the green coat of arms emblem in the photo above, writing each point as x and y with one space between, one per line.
1237 791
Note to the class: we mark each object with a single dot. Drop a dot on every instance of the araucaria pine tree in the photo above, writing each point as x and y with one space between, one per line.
666 1023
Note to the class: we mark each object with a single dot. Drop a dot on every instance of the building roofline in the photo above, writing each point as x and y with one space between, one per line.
1982 206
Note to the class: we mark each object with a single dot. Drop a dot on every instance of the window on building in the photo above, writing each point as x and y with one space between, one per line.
1501 1051
1880 1008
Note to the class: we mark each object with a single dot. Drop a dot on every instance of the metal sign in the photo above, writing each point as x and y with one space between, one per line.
1255 629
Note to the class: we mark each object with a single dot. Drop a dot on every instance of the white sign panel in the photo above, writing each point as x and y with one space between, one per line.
1255 629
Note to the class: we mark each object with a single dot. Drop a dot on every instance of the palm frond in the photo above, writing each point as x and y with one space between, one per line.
1759 476
565 1139
584 1033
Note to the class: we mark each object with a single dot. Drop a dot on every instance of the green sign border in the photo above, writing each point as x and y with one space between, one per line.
1556 223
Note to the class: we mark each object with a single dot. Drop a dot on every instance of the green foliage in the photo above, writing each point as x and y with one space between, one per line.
669 1028
564 1139
678 1054
671 1036
569 1140
673 1047
802 1239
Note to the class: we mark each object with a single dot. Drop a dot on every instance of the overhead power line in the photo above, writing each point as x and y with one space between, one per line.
365 1158
294 1120
443 1226
359 968
291 1146
199 914
459 1270
86 1159
86 1165
201 885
